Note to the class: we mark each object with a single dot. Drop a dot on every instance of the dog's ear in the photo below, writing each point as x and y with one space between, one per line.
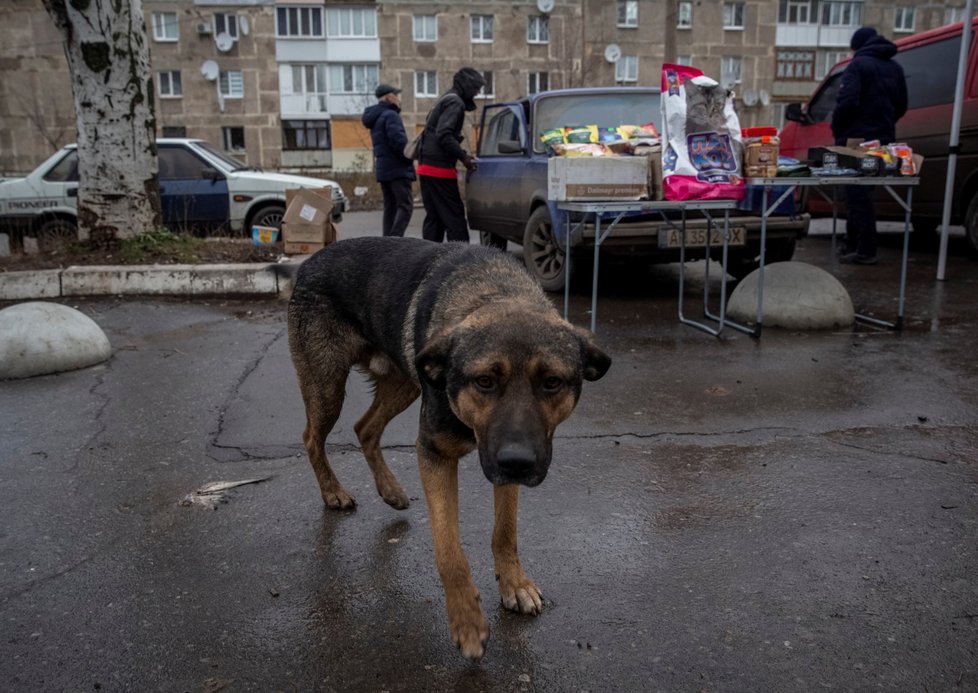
594 361
431 362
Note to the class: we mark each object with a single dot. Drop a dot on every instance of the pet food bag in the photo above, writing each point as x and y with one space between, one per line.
702 150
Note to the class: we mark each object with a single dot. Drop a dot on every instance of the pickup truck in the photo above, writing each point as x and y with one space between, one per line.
506 197
200 188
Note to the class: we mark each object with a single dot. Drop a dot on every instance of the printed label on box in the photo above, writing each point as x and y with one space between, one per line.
308 212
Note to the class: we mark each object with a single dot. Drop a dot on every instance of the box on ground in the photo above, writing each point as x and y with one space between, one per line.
308 205
595 178
302 238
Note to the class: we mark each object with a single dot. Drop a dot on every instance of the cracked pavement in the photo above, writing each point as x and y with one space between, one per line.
787 514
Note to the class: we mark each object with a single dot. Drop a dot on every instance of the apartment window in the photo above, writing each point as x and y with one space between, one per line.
730 70
299 22
489 89
481 28
233 138
842 14
309 81
226 23
537 82
353 79
825 61
904 20
351 22
426 83
174 131
684 15
796 12
169 84
232 84
733 15
628 13
425 27
305 134
538 30
165 26
795 65
953 15
626 69
684 60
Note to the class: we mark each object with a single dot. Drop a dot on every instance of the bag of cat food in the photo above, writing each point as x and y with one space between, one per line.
702 150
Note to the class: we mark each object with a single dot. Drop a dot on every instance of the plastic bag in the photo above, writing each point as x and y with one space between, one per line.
702 148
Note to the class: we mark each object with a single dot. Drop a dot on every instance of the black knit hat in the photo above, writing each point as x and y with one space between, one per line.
861 36
383 90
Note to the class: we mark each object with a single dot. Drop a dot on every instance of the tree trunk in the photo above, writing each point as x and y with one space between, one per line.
108 58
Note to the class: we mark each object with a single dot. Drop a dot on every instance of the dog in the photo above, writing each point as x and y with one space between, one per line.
468 330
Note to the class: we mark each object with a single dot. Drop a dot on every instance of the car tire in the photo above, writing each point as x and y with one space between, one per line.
56 232
542 256
270 215
491 240
971 227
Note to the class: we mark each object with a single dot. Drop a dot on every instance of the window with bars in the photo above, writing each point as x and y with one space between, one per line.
169 83
426 83
299 22
300 135
795 65
425 28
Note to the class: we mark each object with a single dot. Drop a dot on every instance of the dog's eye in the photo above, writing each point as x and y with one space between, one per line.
486 383
552 384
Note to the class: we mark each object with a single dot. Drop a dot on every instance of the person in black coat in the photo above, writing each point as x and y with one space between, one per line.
441 149
394 171
872 98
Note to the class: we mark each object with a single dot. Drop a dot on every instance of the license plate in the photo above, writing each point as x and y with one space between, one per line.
696 238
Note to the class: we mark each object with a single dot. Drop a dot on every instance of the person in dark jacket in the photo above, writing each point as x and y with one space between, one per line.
441 150
394 171
872 98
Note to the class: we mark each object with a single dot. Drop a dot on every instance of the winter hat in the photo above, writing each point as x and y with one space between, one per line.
383 90
861 37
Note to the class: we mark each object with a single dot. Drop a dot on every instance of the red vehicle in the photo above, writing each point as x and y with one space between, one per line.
929 60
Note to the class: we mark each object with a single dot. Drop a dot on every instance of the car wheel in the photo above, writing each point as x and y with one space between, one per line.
491 240
543 258
56 232
971 227
267 216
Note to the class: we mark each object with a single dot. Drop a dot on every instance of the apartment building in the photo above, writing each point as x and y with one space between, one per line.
282 83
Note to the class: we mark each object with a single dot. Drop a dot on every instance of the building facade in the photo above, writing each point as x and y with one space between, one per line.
281 84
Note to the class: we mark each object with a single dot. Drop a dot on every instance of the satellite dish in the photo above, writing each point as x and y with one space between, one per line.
545 6
224 42
765 97
612 53
210 70
750 97
243 25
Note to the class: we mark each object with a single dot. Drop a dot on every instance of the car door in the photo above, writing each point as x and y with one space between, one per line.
192 193
493 191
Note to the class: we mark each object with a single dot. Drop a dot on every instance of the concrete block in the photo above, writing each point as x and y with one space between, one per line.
37 338
243 279
150 280
4 245
17 286
797 296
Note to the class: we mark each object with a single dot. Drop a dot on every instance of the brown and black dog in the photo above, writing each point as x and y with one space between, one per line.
497 369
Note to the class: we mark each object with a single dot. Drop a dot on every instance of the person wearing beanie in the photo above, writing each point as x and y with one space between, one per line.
441 150
870 101
393 170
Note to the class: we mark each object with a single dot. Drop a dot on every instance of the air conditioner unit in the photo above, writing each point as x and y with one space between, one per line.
204 28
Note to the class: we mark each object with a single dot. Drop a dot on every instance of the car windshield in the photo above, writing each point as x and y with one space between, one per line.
227 161
603 110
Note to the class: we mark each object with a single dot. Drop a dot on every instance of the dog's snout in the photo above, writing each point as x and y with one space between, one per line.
515 460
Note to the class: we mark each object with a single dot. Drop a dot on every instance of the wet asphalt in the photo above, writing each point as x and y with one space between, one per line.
794 513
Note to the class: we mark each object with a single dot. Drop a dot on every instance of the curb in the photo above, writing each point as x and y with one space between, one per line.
248 279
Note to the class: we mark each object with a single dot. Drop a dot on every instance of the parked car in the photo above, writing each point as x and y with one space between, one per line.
506 197
929 60
200 188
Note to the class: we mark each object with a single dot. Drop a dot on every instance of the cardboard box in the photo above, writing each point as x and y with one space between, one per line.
302 238
593 178
294 248
308 205
654 154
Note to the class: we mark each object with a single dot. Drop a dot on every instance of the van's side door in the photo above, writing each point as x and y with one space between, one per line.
493 192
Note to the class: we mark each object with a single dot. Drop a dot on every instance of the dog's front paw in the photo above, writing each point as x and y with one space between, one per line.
468 626
339 499
520 594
